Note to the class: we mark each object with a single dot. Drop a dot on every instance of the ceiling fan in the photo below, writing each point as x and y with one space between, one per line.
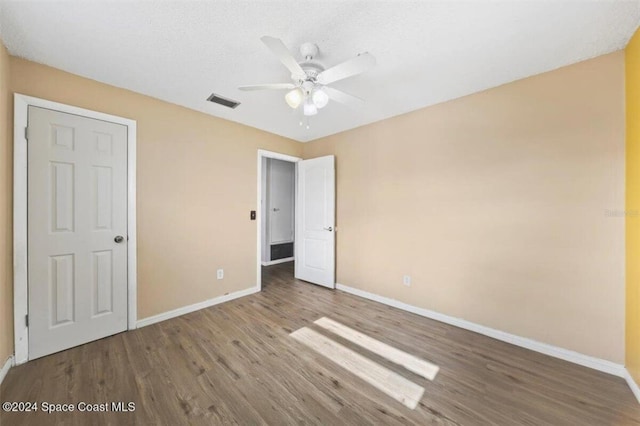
310 86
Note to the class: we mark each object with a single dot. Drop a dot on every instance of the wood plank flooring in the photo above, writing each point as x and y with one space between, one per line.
235 363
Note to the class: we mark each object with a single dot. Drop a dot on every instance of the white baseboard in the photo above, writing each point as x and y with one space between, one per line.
554 351
632 384
275 262
195 307
5 368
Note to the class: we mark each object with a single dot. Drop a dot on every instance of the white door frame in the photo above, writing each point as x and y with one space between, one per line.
266 154
20 249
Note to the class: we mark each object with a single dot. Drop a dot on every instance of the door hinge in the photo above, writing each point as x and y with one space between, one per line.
26 133
26 320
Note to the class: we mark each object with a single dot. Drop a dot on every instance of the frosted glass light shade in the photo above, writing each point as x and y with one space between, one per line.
294 98
310 108
320 98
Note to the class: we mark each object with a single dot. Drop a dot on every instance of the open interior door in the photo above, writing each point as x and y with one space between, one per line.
315 221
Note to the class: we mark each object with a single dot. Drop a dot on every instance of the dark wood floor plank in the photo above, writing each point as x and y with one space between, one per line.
235 363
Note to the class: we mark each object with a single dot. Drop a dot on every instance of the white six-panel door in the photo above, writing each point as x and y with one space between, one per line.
77 209
315 221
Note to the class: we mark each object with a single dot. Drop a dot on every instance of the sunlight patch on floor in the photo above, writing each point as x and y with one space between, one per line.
383 379
412 363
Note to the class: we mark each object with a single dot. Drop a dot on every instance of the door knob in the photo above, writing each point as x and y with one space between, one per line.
328 229
276 209
119 239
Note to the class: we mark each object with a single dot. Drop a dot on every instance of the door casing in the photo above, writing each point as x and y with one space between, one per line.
20 248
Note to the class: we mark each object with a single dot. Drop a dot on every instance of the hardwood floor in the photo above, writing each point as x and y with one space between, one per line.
235 363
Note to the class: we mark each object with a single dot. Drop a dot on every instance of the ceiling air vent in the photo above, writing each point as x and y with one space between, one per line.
217 99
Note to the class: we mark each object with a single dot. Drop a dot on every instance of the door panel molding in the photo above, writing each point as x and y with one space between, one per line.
20 265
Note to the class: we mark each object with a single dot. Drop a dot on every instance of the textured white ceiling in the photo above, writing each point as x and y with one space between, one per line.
427 51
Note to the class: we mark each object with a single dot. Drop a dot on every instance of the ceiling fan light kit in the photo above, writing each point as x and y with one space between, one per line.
310 79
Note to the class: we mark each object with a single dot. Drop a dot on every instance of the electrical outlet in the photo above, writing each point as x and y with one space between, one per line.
220 274
406 280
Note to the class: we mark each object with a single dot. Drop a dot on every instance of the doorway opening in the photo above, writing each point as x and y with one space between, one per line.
276 214
296 219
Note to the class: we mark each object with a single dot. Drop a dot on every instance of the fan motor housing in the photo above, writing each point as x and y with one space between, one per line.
311 69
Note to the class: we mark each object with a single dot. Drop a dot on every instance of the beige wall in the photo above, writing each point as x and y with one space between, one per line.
495 205
6 206
196 185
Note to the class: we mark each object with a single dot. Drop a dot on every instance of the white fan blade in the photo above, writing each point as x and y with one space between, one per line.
280 50
346 69
274 86
343 98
